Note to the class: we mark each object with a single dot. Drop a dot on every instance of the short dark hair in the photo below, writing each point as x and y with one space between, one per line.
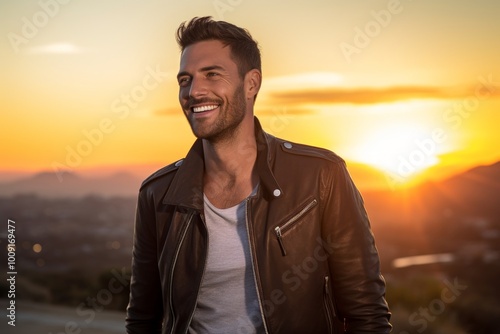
244 50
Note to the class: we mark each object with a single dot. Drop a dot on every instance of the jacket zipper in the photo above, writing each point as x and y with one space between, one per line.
328 304
251 246
176 256
201 281
279 230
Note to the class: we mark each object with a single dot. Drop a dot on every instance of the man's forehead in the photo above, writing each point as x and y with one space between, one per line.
206 53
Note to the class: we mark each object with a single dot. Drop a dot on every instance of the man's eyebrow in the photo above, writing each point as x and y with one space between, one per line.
181 74
203 69
212 67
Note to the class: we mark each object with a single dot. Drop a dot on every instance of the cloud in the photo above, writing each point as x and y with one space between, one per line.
367 95
308 93
56 48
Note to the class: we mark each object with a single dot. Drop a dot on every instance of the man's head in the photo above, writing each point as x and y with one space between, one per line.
244 50
218 78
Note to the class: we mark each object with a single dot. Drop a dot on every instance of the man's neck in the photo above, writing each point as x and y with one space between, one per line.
229 168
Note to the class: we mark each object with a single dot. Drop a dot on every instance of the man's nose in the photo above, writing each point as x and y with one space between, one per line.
198 88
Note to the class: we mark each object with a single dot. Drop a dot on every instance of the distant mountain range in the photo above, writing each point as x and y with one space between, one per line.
47 184
480 185
472 195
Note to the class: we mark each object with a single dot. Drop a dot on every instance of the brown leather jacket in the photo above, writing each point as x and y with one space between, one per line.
314 257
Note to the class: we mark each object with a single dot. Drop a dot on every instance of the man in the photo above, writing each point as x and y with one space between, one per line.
249 233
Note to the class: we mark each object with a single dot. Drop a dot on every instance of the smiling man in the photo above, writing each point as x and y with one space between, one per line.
249 233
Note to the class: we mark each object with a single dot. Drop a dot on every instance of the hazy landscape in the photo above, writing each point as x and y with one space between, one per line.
439 246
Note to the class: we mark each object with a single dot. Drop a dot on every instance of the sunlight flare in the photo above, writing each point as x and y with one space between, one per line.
403 149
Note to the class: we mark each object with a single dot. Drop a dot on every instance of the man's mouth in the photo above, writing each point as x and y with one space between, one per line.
201 109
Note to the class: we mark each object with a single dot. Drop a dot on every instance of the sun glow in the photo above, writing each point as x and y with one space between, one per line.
402 150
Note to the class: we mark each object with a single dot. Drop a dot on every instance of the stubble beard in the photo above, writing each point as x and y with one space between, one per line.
228 120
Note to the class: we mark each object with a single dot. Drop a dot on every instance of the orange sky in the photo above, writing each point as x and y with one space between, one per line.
402 86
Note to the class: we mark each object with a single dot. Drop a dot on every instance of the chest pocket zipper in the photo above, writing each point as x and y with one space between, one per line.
280 230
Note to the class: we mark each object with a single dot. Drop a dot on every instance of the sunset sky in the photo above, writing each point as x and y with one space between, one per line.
408 88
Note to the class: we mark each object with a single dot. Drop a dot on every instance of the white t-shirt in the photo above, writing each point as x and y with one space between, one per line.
227 301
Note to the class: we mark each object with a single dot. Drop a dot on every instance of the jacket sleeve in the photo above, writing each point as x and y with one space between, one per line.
145 311
358 286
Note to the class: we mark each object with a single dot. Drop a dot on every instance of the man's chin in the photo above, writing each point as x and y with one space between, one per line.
211 136
201 133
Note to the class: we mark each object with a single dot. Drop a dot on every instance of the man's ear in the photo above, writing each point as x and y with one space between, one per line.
253 79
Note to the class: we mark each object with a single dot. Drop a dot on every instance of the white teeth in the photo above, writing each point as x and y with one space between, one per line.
204 108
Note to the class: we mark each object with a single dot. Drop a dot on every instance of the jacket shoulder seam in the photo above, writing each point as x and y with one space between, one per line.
310 151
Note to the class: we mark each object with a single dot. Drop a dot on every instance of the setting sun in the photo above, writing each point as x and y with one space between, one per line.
397 148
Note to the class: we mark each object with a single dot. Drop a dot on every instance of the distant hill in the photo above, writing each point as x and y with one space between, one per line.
474 190
472 195
47 184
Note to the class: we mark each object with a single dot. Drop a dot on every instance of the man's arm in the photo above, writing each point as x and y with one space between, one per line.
359 288
145 311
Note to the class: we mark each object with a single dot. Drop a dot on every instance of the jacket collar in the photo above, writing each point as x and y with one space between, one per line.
186 188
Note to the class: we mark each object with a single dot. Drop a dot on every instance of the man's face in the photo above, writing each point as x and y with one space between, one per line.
211 92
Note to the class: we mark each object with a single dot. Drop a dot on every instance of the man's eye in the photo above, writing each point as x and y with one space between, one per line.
212 74
183 81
